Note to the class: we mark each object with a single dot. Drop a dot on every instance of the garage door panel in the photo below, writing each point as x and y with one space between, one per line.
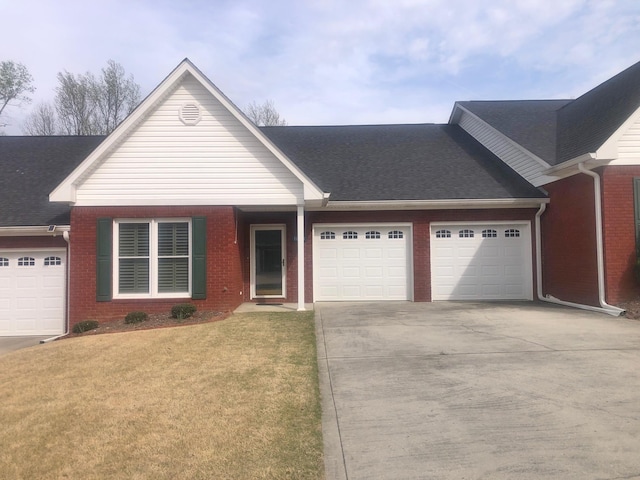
498 264
32 296
371 266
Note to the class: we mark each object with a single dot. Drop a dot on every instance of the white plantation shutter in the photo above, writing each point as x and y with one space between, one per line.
173 257
133 253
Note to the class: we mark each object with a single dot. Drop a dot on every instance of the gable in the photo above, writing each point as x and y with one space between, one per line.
165 161
186 144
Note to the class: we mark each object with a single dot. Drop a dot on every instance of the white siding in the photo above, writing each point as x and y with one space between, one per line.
505 149
629 142
216 162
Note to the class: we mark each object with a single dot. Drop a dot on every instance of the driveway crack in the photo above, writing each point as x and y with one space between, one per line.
498 335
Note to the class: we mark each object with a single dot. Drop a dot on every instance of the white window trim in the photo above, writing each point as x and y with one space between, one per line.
153 258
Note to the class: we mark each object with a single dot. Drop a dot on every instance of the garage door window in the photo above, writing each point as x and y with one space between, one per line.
465 233
489 234
372 235
26 262
512 233
49 261
4 262
396 234
443 234
328 236
350 235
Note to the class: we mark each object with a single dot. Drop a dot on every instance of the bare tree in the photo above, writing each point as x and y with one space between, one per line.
264 114
87 105
15 84
117 96
41 121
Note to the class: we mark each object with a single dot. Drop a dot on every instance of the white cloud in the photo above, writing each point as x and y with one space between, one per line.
330 61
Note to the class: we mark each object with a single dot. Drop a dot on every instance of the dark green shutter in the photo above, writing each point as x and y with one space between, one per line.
199 258
636 203
104 252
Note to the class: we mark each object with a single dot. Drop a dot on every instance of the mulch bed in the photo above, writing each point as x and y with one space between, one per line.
632 308
155 320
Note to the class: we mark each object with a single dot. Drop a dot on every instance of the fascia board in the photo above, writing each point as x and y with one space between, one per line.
311 190
609 149
434 204
507 139
33 231
65 192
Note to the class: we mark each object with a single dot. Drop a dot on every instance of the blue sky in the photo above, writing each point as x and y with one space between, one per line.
329 61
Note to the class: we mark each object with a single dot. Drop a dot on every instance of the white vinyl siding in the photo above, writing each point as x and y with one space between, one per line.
629 142
163 161
528 167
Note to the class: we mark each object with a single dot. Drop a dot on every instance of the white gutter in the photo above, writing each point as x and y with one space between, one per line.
604 306
35 231
65 235
432 204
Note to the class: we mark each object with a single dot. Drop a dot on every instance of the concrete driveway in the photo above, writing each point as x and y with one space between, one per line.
478 391
9 344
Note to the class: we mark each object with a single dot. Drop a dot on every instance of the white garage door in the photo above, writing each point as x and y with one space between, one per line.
32 292
361 262
481 261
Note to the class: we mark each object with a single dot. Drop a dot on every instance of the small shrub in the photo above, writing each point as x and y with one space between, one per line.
136 317
85 326
183 310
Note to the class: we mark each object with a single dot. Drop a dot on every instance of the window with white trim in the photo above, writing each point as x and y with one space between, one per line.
443 234
489 233
328 236
4 262
396 234
26 262
466 233
50 261
350 235
152 258
512 233
372 235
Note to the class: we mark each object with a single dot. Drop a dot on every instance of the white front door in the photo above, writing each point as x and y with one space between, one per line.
481 261
32 292
268 261
362 262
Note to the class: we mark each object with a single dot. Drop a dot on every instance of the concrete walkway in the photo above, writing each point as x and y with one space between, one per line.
478 391
10 344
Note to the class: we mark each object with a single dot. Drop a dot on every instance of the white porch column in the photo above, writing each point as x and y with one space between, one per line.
300 233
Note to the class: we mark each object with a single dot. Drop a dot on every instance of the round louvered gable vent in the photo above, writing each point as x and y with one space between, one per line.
190 114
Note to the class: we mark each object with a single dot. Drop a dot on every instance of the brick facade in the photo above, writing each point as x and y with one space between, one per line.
228 252
224 263
619 232
33 242
570 270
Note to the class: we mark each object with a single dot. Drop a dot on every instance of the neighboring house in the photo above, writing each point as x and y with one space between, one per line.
187 200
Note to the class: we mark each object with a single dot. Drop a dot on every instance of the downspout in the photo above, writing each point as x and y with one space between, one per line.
604 306
65 235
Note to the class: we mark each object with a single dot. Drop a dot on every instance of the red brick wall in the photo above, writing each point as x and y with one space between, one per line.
569 242
619 232
224 263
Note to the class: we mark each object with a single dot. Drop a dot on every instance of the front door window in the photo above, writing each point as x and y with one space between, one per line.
268 261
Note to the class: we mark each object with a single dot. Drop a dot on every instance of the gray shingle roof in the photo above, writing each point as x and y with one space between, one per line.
30 168
399 162
587 122
559 130
530 123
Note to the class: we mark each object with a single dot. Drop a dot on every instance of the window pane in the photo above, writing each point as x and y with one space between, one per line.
173 239
173 275
134 275
134 240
